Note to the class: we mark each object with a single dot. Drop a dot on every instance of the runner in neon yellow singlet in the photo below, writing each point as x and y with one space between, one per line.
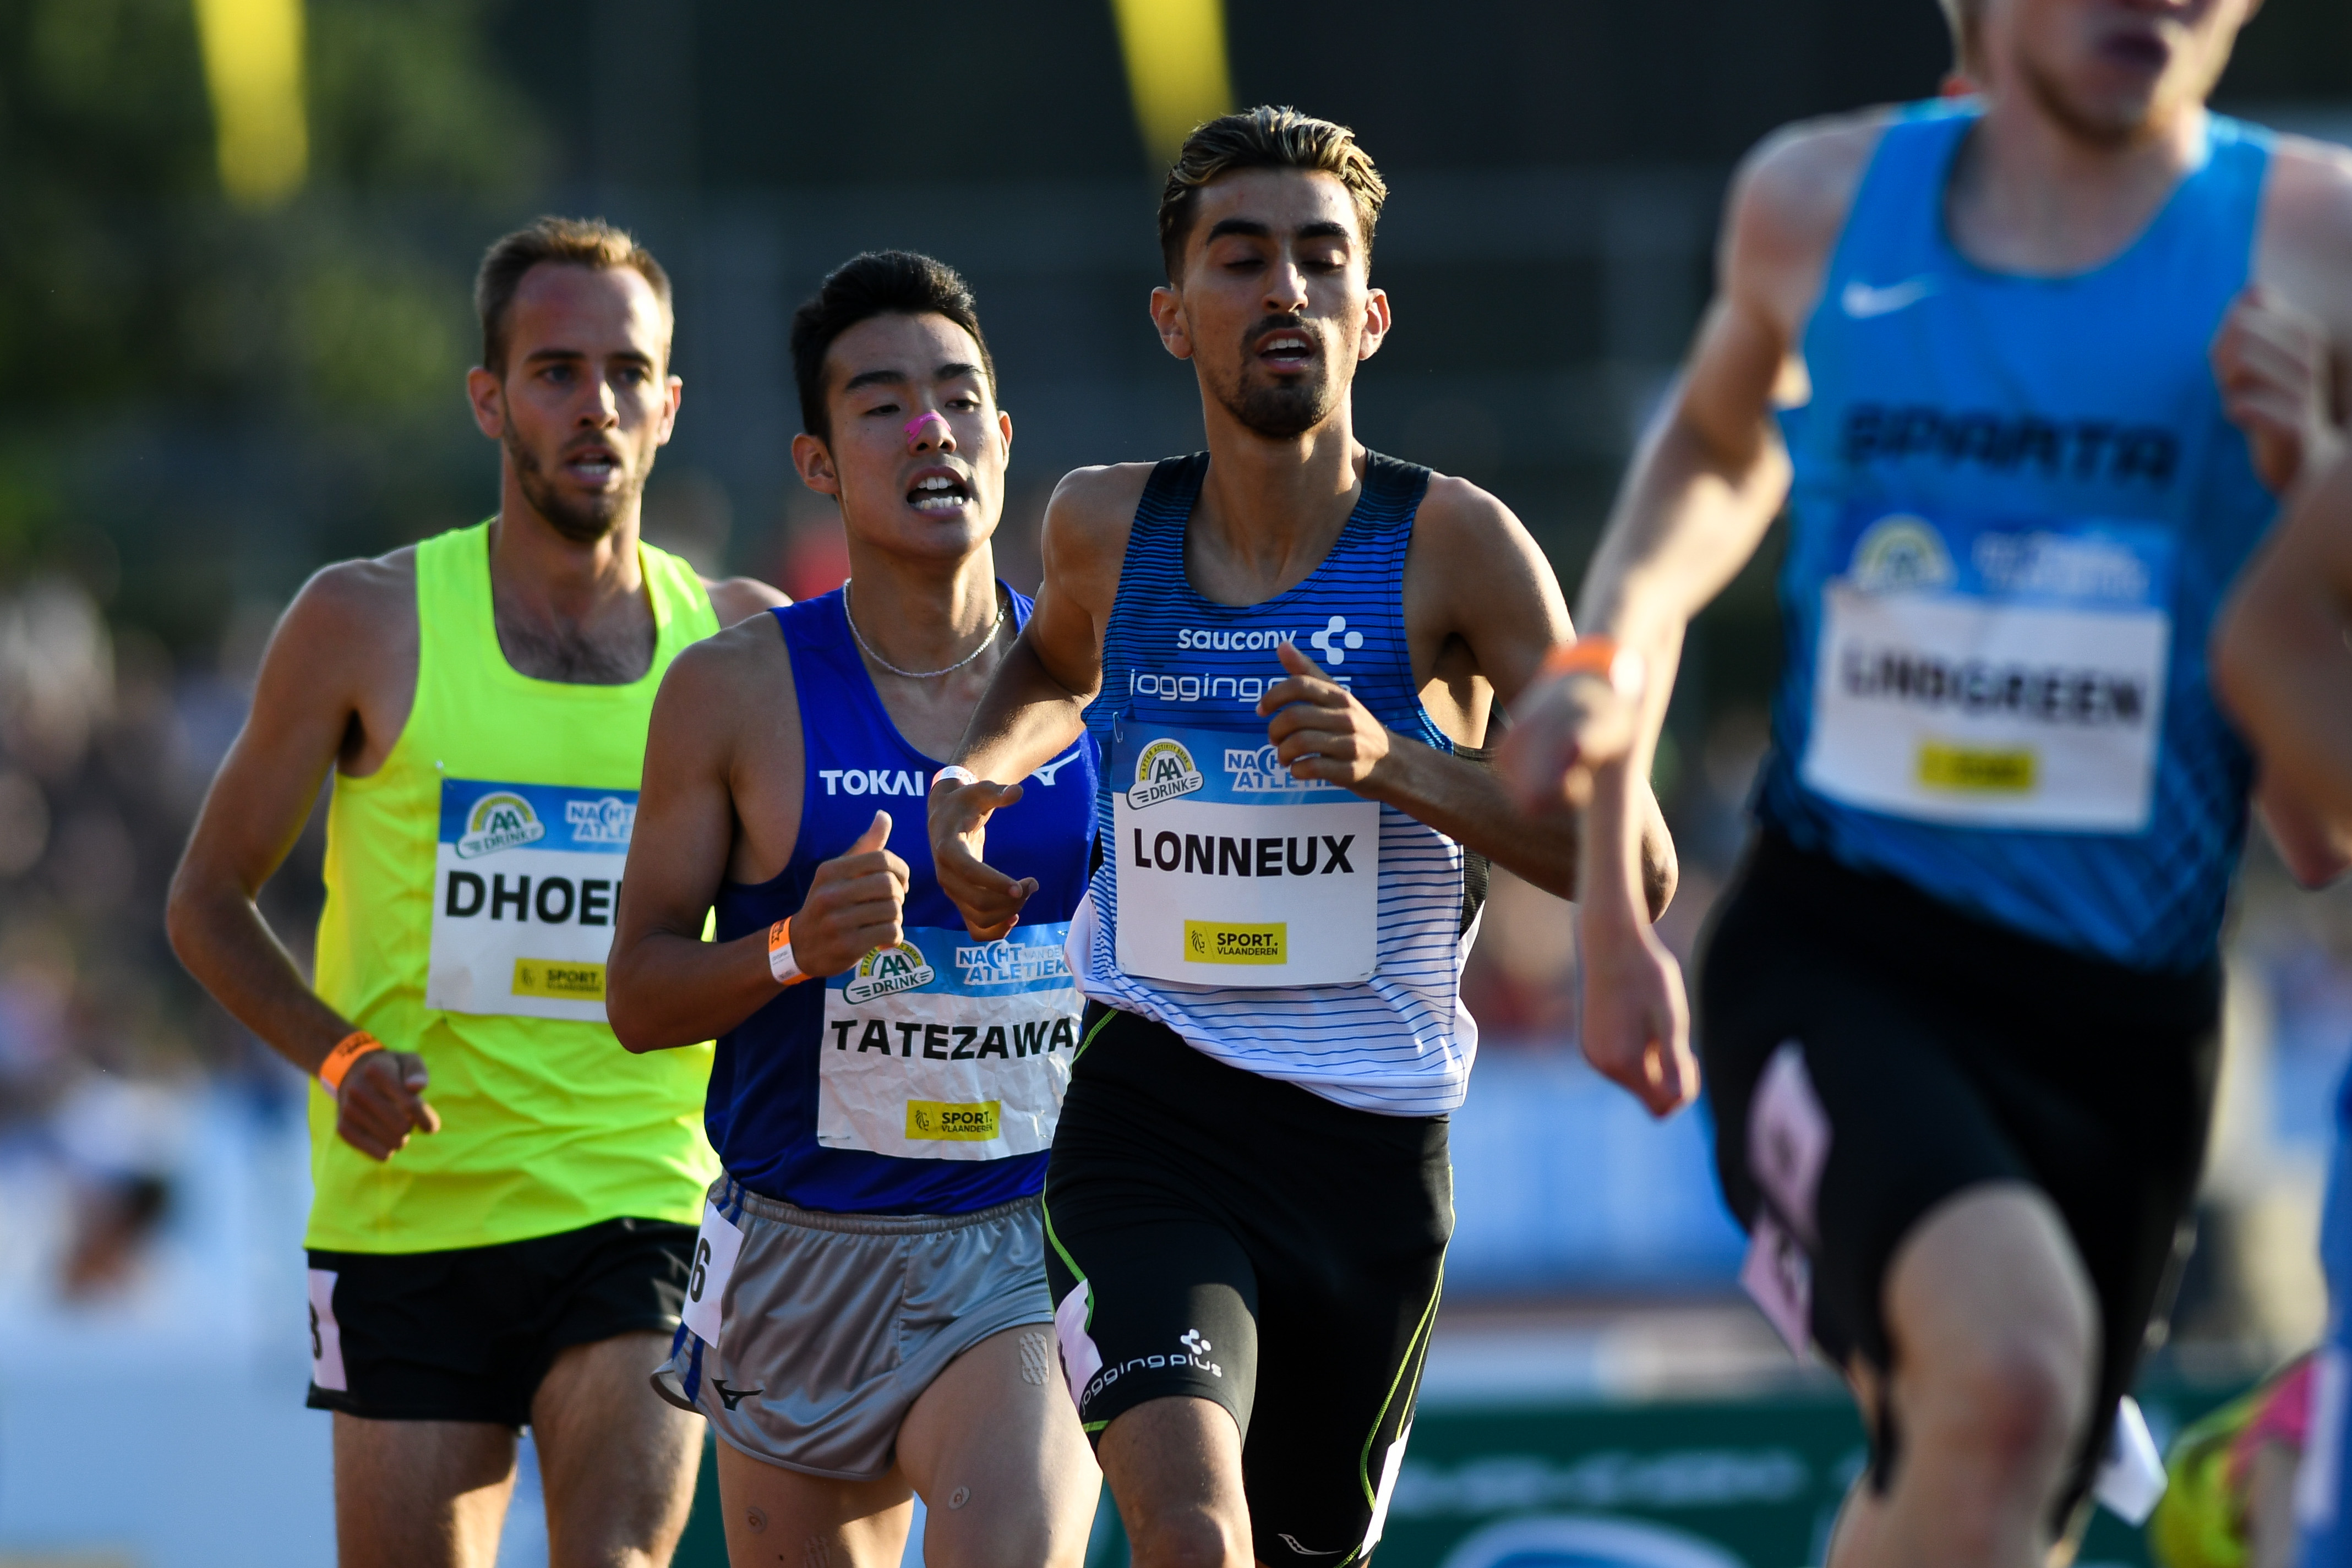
504 1196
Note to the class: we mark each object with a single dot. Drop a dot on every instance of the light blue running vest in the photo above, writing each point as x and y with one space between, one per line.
1245 878
2017 507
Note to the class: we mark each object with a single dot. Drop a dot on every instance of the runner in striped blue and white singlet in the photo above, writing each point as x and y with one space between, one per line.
1288 649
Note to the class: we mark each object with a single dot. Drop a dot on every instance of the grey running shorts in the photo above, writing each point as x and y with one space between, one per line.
832 1325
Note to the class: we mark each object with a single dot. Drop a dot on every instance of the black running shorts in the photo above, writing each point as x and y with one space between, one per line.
467 1334
1222 1235
1945 1052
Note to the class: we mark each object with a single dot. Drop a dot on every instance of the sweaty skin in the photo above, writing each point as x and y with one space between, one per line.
585 397
1275 312
2092 114
723 801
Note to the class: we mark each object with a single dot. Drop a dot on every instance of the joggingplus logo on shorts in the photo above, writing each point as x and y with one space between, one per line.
1193 1351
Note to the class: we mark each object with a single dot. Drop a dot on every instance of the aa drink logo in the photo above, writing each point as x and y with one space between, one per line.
501 821
1164 772
887 971
606 822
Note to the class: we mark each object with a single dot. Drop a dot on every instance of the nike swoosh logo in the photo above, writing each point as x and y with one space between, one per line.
1862 301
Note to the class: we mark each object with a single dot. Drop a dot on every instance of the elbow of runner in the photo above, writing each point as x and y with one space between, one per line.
1661 871
637 1029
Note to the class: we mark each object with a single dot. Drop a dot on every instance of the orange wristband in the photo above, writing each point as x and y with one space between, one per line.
780 954
348 1050
1621 668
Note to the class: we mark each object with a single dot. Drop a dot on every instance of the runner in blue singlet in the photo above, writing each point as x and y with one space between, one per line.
1959 1013
1288 648
868 1312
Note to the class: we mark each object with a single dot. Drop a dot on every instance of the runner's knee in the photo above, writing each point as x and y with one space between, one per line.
2015 1396
1185 1535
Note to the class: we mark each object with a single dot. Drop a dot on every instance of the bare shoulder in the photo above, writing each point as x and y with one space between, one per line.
1480 558
736 599
1088 523
1456 514
1788 201
710 676
363 607
2306 248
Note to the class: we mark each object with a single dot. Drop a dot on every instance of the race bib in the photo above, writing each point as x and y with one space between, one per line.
715 1247
2007 676
525 880
1232 872
947 1048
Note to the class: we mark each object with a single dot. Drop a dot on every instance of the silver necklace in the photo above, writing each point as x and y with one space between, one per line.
994 628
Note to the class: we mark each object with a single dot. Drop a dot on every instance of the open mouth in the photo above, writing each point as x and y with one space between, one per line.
1288 351
593 465
2138 50
939 493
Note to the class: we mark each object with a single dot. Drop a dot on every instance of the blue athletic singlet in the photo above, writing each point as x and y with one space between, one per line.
2017 507
925 1079
1298 932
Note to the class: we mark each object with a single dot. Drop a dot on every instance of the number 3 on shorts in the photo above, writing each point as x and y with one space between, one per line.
714 1262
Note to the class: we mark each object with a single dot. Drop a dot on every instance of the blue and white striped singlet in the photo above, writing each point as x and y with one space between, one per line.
1398 1043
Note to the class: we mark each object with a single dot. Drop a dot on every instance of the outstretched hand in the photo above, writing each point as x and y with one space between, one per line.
857 902
1561 732
989 901
1636 1021
382 1102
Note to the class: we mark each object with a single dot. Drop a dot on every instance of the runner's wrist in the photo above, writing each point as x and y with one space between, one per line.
336 1068
784 968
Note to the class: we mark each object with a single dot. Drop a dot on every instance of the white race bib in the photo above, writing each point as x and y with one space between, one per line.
1995 678
1230 872
715 1247
525 880
947 1048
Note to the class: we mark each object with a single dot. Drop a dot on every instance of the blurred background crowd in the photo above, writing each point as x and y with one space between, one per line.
235 307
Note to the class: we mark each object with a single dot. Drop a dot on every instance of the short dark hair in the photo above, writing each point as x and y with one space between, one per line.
875 283
568 241
1265 138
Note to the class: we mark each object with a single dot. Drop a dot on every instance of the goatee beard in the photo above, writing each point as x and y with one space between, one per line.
1281 412
582 522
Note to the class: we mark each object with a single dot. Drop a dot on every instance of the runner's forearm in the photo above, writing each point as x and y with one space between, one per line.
1691 516
1469 803
664 990
218 933
1026 719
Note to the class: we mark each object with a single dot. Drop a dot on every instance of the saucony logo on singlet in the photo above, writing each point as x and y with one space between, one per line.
1861 302
1334 641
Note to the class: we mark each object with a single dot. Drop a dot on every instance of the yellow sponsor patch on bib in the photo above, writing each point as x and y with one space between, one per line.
1224 942
559 980
939 1119
1977 771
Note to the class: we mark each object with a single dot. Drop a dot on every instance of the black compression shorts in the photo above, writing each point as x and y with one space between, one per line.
467 1334
1946 1052
1222 1235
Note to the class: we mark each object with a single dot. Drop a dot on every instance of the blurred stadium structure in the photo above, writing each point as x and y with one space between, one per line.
234 299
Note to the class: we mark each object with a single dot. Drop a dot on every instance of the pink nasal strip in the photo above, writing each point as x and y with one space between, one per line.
918 429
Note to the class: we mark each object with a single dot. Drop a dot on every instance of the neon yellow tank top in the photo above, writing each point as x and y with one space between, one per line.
470 886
